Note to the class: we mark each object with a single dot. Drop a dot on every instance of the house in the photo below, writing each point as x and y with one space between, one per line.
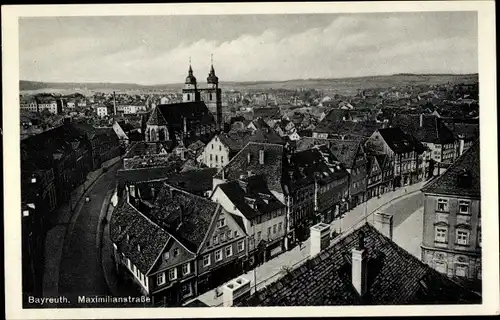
120 133
404 149
433 133
180 247
262 215
28 103
364 267
345 130
102 111
49 103
452 219
318 186
466 135
380 175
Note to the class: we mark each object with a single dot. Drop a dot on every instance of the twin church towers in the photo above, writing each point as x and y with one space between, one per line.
211 95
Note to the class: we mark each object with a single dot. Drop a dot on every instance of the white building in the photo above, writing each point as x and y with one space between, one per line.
49 104
28 104
102 111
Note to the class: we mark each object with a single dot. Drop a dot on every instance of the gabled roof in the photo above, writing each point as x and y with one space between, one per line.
395 277
175 113
251 196
398 141
316 163
151 238
248 160
194 181
156 118
462 178
433 130
184 215
470 131
345 150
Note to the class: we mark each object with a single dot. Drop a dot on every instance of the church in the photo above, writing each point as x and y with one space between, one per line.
198 117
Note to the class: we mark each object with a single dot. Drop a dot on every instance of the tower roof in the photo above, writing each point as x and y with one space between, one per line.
212 78
190 79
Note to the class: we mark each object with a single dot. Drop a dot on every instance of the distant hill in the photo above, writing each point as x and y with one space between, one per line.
341 85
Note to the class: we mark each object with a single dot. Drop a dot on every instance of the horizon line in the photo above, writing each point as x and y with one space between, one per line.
261 81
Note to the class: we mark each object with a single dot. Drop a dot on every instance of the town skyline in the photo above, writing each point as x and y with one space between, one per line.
284 47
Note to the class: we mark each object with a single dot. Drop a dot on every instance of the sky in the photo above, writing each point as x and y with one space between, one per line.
157 49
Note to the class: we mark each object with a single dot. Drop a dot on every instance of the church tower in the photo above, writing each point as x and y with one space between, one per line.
190 92
213 96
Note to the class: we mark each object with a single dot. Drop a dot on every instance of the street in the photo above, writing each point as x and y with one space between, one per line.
400 203
80 267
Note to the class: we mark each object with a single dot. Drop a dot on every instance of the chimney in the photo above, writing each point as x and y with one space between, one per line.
248 158
320 238
359 274
184 124
235 291
383 222
461 141
421 120
261 156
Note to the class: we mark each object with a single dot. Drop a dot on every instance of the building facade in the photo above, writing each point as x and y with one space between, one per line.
452 219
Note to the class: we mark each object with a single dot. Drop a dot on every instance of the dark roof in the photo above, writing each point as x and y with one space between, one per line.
317 162
271 169
398 141
194 181
394 277
184 215
433 130
143 174
266 112
352 129
251 196
235 140
173 114
143 148
126 220
345 150
463 177
470 131
238 220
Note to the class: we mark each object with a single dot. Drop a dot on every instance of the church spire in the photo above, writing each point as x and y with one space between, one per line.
212 78
190 79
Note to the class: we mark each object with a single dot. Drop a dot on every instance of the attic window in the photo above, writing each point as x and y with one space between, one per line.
464 179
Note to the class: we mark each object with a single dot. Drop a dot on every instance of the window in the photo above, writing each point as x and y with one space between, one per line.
218 255
222 237
214 239
229 251
186 269
186 290
229 234
172 274
212 146
160 279
176 252
464 206
274 229
269 231
461 270
241 246
166 255
235 234
258 235
462 237
208 243
216 158
206 260
442 205
441 235
221 223
441 267
280 226
220 148
221 159
210 157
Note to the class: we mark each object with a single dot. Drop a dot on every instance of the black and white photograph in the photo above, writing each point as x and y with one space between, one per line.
192 156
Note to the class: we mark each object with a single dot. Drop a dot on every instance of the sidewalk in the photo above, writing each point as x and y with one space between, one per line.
270 271
54 239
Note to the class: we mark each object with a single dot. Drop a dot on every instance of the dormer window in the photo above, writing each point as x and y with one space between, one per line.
464 179
464 207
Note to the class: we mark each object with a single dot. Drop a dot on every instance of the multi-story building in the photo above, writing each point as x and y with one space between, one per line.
49 103
452 219
434 134
261 214
380 175
404 149
175 245
28 104
102 111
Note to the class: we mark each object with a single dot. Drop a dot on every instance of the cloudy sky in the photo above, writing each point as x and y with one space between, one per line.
156 49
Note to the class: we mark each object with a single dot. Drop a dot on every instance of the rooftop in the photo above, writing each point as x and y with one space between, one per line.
395 277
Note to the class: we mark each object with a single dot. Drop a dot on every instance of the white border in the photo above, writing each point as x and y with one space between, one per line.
487 79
